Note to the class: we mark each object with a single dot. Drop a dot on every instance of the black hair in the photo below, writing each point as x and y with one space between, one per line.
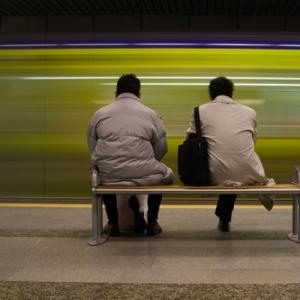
220 86
128 83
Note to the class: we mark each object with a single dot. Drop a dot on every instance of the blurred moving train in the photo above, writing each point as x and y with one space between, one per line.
49 95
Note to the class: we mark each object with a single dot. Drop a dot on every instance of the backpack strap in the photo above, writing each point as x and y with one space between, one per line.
197 121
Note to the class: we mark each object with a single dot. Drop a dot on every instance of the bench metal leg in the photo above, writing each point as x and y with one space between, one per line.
295 235
97 222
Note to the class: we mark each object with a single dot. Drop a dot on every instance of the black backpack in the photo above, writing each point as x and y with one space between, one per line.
193 165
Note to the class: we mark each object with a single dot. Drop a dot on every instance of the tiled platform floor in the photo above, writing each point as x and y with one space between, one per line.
49 244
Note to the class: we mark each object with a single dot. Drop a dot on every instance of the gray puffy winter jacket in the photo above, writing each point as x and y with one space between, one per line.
127 140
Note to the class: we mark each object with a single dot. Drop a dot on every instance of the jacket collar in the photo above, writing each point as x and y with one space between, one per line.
128 96
223 99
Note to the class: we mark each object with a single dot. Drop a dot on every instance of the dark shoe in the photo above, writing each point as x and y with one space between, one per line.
153 229
224 226
139 223
111 229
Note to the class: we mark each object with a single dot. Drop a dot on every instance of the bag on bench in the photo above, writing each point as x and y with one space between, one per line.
193 165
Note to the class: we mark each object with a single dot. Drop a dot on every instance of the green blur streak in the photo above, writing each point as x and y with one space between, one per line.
86 61
43 148
65 172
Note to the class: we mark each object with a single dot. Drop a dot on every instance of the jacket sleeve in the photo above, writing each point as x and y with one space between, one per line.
159 141
91 134
254 134
192 127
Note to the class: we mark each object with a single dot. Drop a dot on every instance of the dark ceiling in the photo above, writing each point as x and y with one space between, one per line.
150 7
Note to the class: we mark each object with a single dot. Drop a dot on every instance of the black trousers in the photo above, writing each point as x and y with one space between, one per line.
110 202
225 207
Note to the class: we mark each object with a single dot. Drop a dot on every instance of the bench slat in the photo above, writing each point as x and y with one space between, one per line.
290 188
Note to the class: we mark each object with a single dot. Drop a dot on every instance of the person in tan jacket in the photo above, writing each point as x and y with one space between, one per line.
230 130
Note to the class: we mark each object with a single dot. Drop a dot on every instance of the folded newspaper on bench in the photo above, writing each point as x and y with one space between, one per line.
266 200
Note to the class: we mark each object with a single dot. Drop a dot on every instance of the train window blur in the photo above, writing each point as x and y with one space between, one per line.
49 95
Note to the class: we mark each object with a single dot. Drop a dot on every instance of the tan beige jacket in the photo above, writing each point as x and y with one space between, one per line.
230 129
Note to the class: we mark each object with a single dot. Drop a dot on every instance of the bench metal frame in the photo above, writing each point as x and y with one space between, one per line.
98 190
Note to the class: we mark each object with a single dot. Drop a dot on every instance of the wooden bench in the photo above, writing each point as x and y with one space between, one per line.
292 189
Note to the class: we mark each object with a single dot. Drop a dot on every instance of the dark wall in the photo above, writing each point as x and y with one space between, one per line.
82 24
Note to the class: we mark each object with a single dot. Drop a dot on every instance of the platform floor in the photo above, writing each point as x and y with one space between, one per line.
44 247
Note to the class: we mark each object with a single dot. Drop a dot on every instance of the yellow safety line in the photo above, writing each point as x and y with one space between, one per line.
45 205
173 206
214 206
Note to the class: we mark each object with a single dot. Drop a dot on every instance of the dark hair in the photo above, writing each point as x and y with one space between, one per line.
220 86
128 83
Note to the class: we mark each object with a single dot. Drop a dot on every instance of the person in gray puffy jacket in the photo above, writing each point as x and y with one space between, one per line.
126 141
